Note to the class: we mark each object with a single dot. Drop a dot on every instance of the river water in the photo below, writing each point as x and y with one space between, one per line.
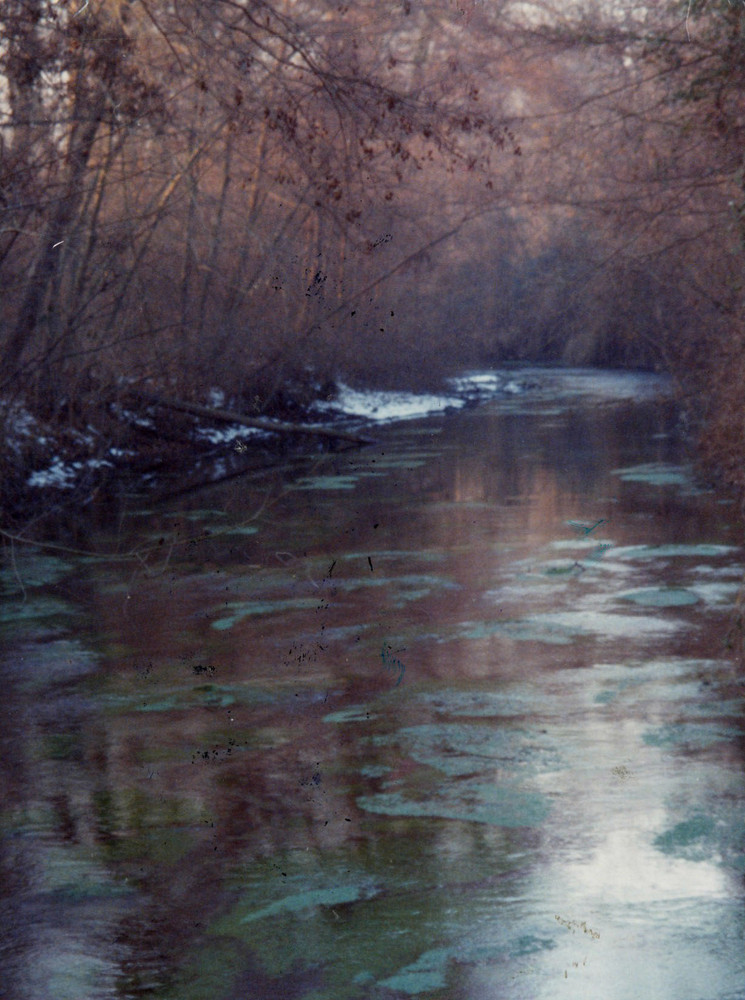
453 716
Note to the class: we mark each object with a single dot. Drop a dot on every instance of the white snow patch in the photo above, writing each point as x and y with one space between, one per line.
484 381
132 418
513 388
19 425
381 405
61 475
225 435
480 386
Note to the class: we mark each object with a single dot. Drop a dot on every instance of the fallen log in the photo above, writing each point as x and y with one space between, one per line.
260 423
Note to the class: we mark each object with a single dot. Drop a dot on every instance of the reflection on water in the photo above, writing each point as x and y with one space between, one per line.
449 717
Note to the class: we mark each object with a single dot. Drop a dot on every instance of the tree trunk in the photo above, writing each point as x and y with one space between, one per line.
261 423
45 268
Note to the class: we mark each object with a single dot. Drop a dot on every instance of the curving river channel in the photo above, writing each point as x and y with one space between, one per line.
453 716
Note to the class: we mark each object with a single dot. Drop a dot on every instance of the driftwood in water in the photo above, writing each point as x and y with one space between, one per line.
260 423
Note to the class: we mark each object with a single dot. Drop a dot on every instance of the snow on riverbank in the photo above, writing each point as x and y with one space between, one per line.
41 456
381 406
63 460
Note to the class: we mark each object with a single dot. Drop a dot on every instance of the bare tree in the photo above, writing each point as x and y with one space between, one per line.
242 155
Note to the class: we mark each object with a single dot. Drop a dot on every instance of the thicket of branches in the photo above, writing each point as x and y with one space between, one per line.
208 192
234 193
650 159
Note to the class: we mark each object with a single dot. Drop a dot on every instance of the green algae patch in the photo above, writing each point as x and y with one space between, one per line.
590 542
660 597
701 550
182 698
348 482
687 838
195 515
656 474
283 890
401 458
525 630
409 918
405 555
507 806
403 590
415 462
469 772
374 770
423 976
355 713
596 562
250 609
346 632
386 918
456 748
477 703
30 570
562 628
308 900
33 609
562 569
690 735
418 582
717 834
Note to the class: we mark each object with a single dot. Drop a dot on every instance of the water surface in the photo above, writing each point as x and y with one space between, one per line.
456 715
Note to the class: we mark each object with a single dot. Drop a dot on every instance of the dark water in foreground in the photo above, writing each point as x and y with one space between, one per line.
450 717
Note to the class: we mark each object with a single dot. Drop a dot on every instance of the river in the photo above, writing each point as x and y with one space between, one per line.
456 715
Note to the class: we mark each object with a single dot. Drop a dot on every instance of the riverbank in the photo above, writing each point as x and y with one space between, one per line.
161 446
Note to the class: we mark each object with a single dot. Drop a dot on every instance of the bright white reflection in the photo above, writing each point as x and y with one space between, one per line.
626 868
609 914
